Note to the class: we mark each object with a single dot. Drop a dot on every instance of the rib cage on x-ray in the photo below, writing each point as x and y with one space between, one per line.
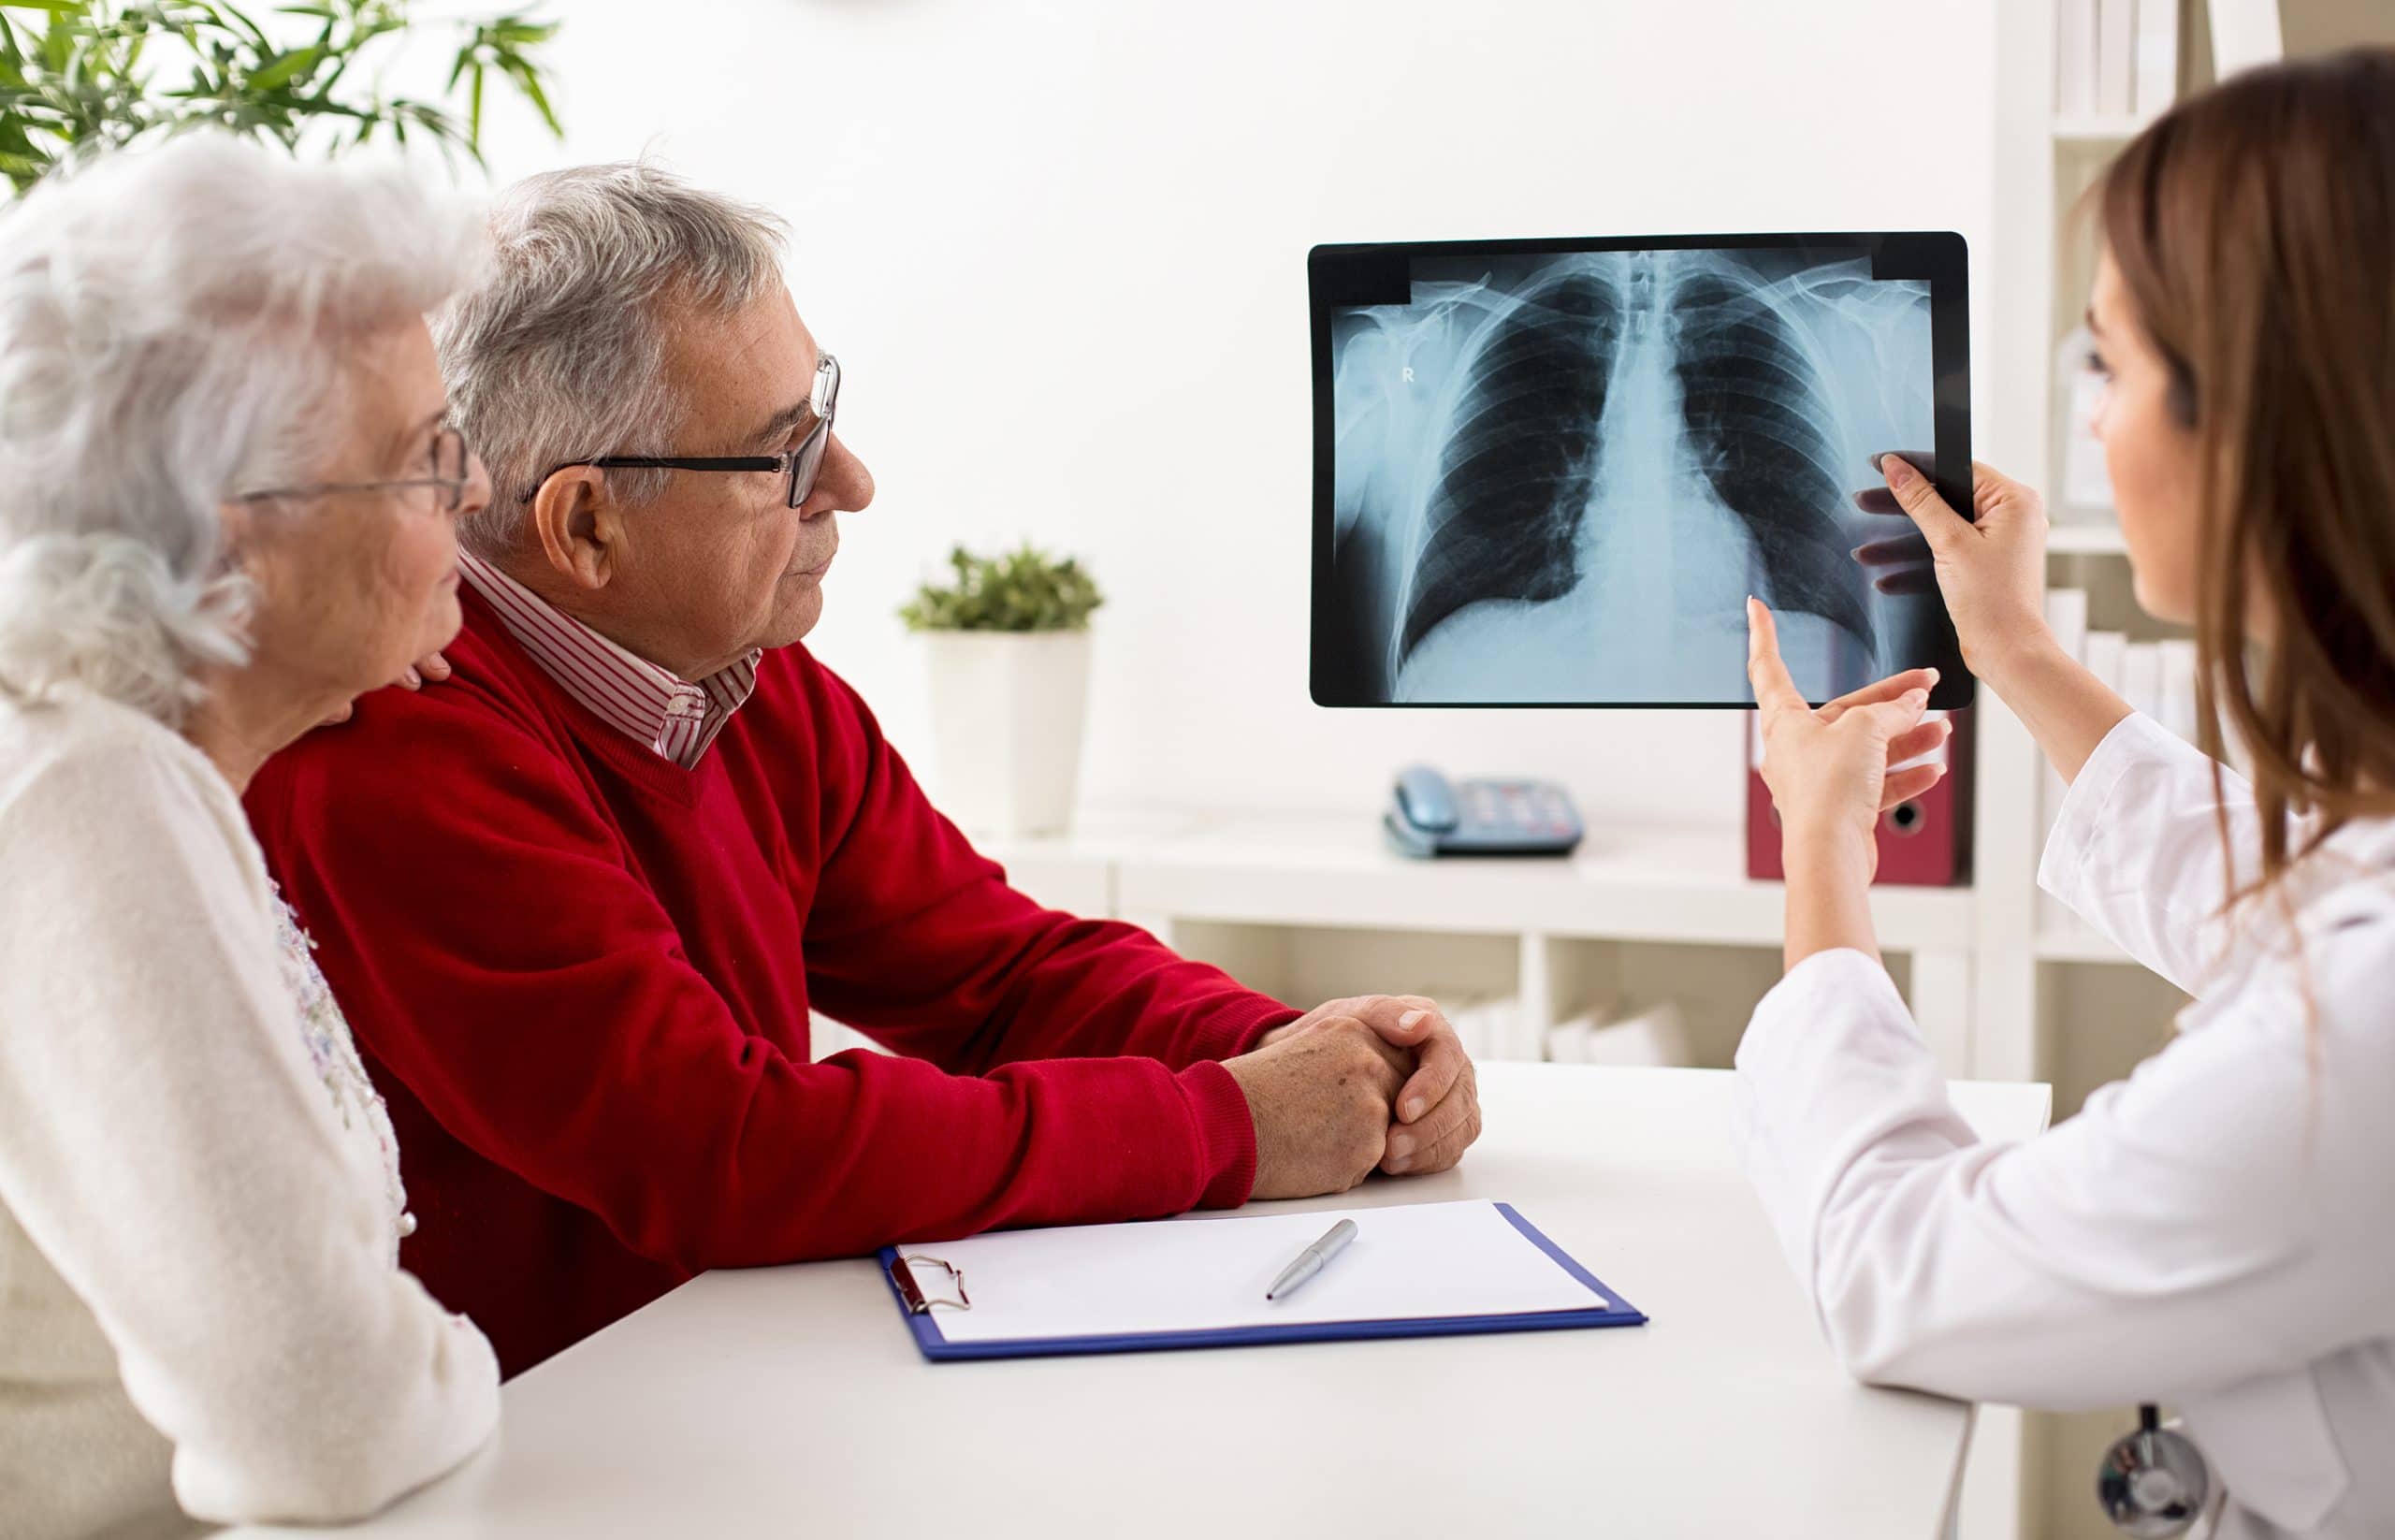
1568 472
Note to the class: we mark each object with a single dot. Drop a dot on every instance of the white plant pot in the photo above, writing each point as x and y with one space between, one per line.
1006 713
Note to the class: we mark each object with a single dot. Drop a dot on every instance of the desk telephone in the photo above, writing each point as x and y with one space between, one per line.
1429 815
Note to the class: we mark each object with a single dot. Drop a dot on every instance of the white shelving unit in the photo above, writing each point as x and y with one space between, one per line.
1314 904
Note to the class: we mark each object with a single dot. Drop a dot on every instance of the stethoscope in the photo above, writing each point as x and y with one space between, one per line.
2152 1482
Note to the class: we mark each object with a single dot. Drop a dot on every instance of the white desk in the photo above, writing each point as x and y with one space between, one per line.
792 1401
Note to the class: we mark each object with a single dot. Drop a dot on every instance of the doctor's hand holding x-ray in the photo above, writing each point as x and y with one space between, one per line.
2216 1232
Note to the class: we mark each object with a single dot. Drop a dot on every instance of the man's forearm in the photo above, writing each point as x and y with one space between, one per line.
1114 989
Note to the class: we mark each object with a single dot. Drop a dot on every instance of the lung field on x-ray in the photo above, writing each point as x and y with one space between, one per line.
1520 460
1557 478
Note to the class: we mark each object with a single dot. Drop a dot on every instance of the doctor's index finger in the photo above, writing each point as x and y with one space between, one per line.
1774 689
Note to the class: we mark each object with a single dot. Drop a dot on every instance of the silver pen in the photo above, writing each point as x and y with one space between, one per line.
1310 1260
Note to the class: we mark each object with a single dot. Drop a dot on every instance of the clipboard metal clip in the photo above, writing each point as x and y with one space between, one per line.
902 1274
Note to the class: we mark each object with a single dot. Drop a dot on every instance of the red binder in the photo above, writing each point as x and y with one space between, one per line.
1924 842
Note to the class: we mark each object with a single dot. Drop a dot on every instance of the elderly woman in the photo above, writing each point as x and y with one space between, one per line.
227 487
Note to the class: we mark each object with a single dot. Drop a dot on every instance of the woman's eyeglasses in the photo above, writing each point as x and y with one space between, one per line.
801 466
452 474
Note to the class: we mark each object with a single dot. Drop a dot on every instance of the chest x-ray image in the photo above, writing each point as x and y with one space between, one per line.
1556 475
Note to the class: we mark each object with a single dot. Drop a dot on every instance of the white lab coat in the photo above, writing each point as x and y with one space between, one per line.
2216 1232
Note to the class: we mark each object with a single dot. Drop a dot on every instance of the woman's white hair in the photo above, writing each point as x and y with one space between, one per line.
173 324
561 354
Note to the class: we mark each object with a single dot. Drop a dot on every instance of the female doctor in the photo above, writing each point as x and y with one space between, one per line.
2219 1230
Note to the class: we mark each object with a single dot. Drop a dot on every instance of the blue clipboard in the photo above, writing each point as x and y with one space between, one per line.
1606 1309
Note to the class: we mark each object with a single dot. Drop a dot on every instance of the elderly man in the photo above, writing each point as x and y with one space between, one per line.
579 900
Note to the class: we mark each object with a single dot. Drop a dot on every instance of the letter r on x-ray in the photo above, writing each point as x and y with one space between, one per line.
1409 373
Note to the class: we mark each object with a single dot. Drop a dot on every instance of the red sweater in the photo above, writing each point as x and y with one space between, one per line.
582 977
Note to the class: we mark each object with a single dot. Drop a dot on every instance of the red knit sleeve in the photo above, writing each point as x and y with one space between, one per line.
916 940
487 937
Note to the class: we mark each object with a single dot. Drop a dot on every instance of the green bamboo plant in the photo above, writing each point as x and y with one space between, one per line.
85 73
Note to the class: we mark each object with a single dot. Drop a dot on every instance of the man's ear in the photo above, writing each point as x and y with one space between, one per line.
574 522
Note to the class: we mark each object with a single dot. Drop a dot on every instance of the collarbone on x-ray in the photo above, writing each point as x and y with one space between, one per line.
1572 470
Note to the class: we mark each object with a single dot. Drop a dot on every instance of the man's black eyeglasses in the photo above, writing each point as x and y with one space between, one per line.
800 465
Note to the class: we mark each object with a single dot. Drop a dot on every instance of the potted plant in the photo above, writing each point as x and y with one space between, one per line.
307 73
1006 638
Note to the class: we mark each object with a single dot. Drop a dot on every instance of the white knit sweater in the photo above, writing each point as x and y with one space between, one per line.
200 1296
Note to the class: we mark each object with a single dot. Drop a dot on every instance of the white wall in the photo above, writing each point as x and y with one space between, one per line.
1059 250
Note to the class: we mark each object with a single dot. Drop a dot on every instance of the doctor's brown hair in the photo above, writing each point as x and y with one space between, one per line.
2253 230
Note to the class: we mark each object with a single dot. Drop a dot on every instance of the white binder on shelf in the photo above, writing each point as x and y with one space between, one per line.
2074 58
2141 677
2067 618
2177 658
2105 649
1619 1034
2115 57
2245 33
2157 57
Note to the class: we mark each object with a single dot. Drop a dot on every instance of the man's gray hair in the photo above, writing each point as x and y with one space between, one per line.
561 354
174 322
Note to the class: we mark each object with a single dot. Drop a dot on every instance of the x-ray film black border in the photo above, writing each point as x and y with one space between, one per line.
1941 256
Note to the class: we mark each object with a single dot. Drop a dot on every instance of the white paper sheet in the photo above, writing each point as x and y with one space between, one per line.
1418 1262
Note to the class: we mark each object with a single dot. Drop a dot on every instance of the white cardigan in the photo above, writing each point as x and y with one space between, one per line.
2216 1232
199 1203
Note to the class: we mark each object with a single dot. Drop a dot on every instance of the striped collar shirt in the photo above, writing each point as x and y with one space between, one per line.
649 704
